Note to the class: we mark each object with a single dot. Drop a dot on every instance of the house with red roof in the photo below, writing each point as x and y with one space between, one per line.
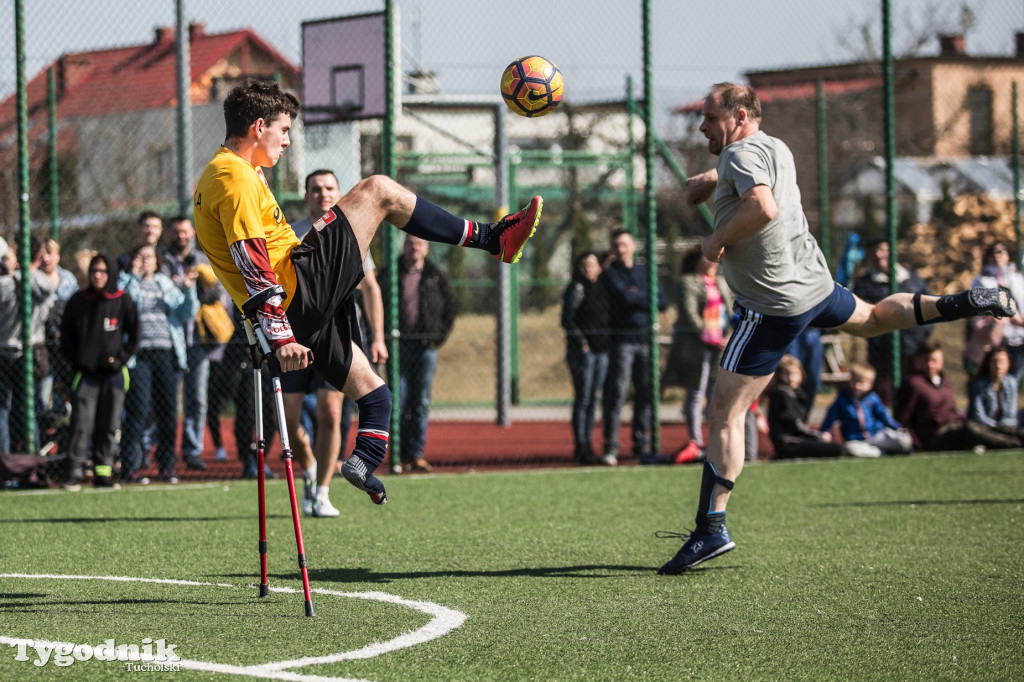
116 119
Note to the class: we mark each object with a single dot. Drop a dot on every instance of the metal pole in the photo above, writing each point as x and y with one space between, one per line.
277 176
629 199
503 356
51 97
825 225
389 237
24 226
651 233
890 178
663 150
1015 144
184 112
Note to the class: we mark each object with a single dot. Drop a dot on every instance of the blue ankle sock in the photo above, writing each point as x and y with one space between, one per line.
431 222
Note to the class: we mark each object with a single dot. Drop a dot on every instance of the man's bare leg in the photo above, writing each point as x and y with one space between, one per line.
891 313
301 449
372 201
328 433
732 397
902 311
325 448
378 198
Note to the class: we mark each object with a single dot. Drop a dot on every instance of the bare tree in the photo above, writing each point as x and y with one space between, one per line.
914 30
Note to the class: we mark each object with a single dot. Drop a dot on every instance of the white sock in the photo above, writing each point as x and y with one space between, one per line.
310 474
323 490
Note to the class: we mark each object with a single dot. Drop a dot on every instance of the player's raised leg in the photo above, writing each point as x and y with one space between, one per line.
378 198
902 311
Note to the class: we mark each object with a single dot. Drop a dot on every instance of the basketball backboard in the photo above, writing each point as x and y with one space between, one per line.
343 68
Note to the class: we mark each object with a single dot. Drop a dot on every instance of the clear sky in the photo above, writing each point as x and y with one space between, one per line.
596 43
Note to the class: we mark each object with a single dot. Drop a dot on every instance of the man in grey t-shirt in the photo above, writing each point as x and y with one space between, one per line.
782 286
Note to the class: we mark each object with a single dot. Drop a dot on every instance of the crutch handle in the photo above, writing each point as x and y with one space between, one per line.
254 332
250 307
260 349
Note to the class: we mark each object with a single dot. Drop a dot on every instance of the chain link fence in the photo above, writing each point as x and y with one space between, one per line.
103 147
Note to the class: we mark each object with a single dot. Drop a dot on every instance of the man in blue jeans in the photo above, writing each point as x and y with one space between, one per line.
426 313
182 257
627 285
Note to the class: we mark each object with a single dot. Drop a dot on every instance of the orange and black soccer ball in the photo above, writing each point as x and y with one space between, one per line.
532 86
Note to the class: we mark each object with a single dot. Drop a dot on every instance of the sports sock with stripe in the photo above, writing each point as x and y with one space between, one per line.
374 427
431 222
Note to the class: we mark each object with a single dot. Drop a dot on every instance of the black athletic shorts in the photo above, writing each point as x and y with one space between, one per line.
328 267
303 381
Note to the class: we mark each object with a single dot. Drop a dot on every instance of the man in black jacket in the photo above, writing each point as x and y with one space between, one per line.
426 313
626 285
873 285
99 333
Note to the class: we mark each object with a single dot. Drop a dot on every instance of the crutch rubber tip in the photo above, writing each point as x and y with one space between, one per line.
310 613
264 590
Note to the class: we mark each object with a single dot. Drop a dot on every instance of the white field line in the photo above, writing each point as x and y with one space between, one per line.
443 620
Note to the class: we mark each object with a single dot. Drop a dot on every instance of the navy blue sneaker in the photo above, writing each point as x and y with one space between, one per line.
698 548
358 474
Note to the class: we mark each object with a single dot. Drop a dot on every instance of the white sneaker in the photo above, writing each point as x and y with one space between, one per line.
610 460
859 448
222 455
322 506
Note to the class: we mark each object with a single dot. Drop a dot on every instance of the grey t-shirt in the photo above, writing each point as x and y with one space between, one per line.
780 270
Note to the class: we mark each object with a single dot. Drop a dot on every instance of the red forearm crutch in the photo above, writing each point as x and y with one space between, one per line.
261 353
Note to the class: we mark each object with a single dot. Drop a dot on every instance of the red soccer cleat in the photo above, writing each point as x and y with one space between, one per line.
513 231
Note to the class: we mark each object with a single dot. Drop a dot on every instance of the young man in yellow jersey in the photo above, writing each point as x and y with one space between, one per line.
251 247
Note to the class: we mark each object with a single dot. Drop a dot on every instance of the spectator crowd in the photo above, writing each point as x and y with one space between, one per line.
866 417
136 355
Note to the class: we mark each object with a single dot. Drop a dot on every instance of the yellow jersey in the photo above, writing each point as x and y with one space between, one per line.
233 202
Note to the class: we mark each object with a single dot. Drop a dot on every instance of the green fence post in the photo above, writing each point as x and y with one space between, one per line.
824 224
652 235
51 101
1015 144
890 178
388 242
24 228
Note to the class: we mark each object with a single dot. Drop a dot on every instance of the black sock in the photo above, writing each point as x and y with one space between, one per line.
708 521
954 307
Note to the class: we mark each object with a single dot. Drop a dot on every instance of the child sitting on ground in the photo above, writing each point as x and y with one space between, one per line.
867 426
790 435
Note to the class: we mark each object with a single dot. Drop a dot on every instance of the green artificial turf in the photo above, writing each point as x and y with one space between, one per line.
899 568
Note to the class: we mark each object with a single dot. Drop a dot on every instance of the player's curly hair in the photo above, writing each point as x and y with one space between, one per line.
255 99
735 96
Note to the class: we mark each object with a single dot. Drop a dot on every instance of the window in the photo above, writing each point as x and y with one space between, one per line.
979 109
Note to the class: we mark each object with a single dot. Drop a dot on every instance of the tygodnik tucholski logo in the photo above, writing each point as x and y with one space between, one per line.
150 655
